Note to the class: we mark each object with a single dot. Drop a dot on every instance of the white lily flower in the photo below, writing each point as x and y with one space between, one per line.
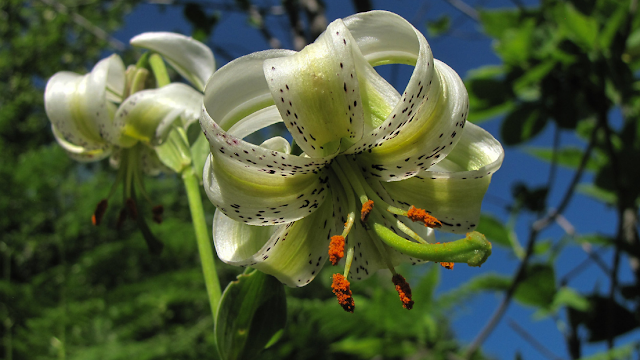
279 212
110 111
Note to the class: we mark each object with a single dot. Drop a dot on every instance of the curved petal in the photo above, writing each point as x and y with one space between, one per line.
429 131
255 122
317 93
301 245
454 193
147 115
191 58
259 186
239 89
80 153
78 106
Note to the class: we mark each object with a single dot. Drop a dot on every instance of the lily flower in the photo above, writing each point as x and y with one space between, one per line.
404 157
125 114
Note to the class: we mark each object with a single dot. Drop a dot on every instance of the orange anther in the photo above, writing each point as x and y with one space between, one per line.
366 209
157 213
404 290
336 249
447 265
101 208
341 288
417 214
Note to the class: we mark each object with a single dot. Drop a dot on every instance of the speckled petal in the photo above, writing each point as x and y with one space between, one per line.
258 185
191 58
317 93
78 106
452 191
147 115
239 89
294 252
79 153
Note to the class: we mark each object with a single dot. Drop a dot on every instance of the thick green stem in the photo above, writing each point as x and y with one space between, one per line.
202 237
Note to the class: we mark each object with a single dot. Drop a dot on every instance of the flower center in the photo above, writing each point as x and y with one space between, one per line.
353 181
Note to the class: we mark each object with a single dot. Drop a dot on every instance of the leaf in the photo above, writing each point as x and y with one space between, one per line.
522 124
252 311
439 26
605 196
596 318
496 22
534 75
594 239
494 230
582 29
568 156
538 287
618 353
565 297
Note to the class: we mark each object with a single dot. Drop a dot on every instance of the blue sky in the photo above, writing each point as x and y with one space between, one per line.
465 48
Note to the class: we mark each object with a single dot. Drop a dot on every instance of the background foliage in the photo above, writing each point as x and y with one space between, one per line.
69 290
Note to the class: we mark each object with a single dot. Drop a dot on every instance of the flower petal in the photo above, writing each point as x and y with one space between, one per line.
189 57
423 126
317 93
239 89
78 106
259 186
79 153
453 190
255 122
294 253
147 115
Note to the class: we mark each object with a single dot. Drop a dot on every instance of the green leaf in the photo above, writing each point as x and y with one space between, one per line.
569 156
497 22
582 29
534 75
605 196
618 353
538 287
594 239
494 230
613 24
439 26
565 297
252 311
522 124
597 317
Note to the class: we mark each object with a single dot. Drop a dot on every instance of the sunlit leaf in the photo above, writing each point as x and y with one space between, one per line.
538 288
494 230
568 156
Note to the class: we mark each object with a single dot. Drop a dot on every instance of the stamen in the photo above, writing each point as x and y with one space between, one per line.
122 216
341 287
101 208
447 265
336 249
366 210
417 214
157 213
404 290
133 211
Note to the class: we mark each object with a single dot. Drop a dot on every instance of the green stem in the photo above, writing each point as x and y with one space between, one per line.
211 281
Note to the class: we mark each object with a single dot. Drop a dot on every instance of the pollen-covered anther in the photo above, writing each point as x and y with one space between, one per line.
417 214
341 287
336 249
101 208
447 265
133 210
157 213
366 210
404 290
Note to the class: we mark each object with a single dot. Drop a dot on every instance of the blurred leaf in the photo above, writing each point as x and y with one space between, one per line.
622 352
494 230
594 239
439 26
596 318
538 288
605 196
579 27
565 297
534 75
252 310
496 22
613 25
522 124
568 156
